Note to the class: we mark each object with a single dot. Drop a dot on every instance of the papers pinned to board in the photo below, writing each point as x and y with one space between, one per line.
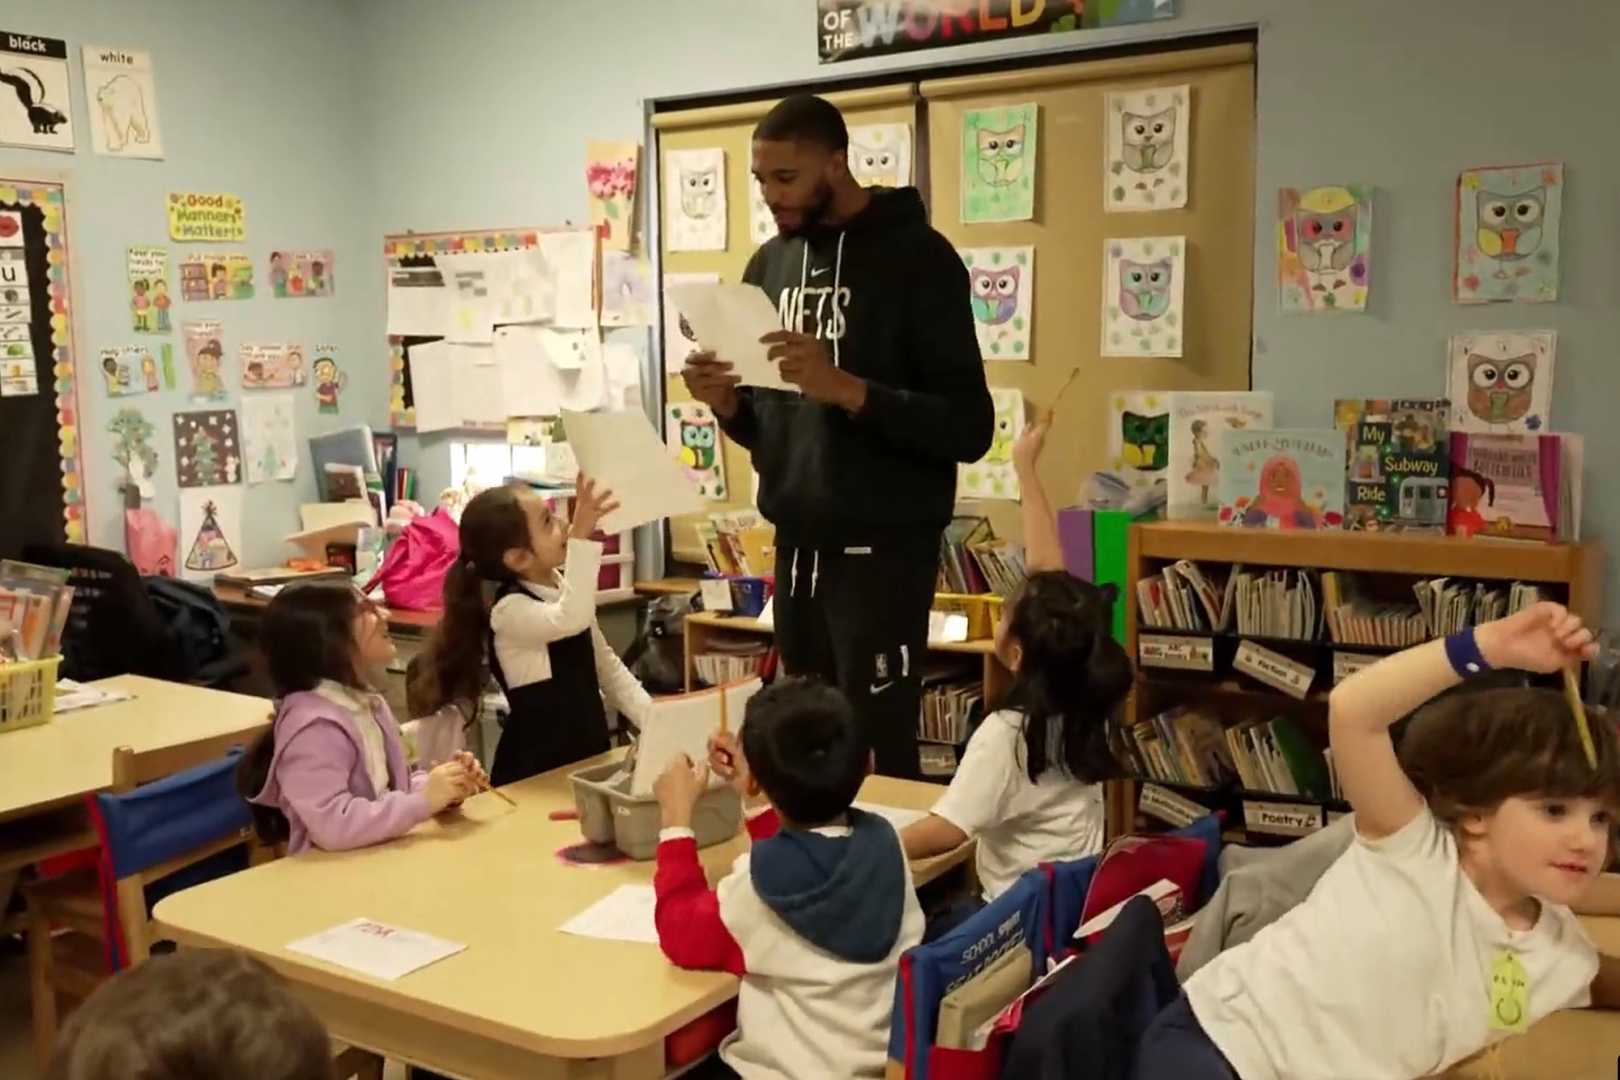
463 296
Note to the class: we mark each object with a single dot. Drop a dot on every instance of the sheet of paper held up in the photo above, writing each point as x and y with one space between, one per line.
729 320
898 816
620 451
682 725
625 914
375 949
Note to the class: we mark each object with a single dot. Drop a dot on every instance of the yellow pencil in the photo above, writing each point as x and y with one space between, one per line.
499 794
1572 694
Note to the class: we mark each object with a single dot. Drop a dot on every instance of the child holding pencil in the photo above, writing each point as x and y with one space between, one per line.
1447 926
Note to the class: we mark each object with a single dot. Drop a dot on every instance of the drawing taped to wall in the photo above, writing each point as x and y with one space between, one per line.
122 96
36 108
1145 165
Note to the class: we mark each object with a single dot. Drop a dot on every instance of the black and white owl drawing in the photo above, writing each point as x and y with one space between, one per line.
995 294
697 191
1149 140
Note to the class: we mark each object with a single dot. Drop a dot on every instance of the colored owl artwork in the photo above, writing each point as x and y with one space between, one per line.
1324 248
880 154
693 436
695 199
1145 165
998 164
1507 233
1143 285
1501 382
1139 437
1001 288
993 476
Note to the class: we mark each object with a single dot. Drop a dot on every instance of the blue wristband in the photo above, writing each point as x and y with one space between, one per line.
1462 650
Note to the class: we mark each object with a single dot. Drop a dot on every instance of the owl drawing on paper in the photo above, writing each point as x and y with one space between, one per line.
1510 225
1327 240
698 437
1500 391
697 191
1007 426
1149 141
1145 440
995 294
1144 288
874 166
1001 155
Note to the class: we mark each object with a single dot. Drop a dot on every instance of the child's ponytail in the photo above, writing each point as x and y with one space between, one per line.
251 773
1071 678
454 672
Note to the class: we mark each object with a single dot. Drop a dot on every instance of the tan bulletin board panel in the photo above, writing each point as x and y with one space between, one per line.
1069 228
731 128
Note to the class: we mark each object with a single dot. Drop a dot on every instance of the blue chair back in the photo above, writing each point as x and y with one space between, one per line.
166 820
928 972
1207 829
1066 885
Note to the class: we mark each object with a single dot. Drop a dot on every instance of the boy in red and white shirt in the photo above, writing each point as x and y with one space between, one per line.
814 918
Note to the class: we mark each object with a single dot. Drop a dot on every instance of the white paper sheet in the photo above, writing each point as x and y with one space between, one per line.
431 387
570 350
729 320
269 437
898 816
627 290
416 309
476 385
523 288
467 277
695 199
625 914
621 451
530 385
375 949
571 260
678 341
622 366
72 696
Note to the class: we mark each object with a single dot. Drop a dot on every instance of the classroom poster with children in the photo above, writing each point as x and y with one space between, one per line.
330 380
217 276
266 366
149 299
130 370
205 355
301 273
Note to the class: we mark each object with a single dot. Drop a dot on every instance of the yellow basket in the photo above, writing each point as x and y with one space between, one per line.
982 611
27 693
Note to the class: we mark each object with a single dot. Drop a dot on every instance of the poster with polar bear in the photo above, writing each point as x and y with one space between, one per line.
122 97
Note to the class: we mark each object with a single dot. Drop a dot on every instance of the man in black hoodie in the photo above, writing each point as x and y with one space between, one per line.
857 470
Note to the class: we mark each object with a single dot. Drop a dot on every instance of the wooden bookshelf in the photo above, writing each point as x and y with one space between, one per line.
702 628
1570 573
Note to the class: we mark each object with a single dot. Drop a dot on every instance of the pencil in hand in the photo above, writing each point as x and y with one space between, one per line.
1572 694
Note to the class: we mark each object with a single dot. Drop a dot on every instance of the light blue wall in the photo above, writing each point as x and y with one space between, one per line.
1386 92
258 99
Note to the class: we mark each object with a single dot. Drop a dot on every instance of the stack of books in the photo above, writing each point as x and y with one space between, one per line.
726 662
1184 597
1276 603
1354 620
952 704
1180 746
738 543
1275 756
973 561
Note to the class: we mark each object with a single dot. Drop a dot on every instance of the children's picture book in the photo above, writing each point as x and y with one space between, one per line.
1196 419
1516 487
1398 473
1507 220
1281 479
1500 381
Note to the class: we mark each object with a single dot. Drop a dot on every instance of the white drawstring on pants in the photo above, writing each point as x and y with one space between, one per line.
793 572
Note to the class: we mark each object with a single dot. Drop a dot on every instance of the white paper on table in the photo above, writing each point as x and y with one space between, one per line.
416 309
622 452
729 320
622 366
571 260
898 816
625 914
375 949
467 278
682 725
72 696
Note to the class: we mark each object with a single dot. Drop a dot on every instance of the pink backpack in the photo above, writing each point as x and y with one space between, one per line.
413 569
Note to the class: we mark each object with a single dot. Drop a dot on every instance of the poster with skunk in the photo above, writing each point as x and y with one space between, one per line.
36 108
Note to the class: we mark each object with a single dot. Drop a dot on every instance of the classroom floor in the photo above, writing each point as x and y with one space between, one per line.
16 1044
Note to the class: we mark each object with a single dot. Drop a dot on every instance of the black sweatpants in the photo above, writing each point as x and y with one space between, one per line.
858 618
1175 1047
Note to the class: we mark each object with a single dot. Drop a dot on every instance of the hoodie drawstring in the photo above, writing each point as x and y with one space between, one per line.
834 331
793 572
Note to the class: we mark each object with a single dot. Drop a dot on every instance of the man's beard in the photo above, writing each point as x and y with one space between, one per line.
813 219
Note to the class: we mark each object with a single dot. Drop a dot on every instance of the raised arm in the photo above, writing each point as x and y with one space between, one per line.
1041 548
1541 638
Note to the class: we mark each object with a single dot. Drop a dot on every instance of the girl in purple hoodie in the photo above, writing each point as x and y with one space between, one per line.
332 772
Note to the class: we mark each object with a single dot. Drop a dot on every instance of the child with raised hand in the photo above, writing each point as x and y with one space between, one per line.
1028 787
523 594
332 772
1446 926
815 917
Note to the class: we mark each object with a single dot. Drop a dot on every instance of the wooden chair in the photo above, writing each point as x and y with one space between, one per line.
161 831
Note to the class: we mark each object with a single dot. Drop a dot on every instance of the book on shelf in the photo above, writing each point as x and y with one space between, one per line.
1516 487
727 662
952 705
1282 479
737 543
975 562
1398 465
1276 603
1181 745
1443 606
1196 417
1275 756
1183 596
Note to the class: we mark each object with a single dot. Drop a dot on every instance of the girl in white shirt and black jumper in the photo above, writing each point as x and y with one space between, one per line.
523 594
1029 785
1446 926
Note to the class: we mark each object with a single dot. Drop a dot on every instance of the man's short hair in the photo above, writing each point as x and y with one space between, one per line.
805 749
806 118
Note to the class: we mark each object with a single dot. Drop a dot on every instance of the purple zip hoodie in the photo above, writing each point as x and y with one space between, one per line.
318 777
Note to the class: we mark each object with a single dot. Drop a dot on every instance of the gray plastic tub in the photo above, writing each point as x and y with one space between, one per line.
609 814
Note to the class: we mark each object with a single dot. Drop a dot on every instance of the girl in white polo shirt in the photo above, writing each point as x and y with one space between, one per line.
1446 925
1028 787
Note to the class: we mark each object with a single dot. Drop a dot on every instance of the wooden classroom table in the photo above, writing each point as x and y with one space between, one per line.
46 771
523 1001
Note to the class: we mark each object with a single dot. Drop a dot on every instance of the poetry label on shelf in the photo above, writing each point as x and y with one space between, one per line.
1274 669
1282 819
